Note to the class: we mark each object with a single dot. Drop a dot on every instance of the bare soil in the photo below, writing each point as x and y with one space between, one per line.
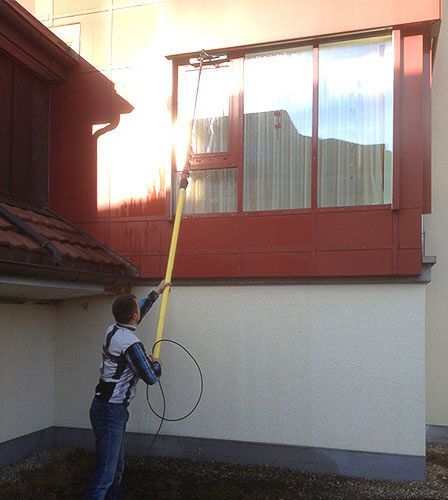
64 474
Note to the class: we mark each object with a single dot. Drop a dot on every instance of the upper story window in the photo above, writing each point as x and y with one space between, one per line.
290 129
213 181
355 122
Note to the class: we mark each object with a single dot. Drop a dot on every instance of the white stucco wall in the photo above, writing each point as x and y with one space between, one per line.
437 242
338 366
27 359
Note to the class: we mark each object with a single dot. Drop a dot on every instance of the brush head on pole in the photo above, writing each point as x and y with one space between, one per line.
206 59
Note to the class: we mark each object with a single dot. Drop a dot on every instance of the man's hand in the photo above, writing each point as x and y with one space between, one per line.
157 367
161 286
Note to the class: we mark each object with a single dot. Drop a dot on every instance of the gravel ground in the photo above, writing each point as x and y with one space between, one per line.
64 474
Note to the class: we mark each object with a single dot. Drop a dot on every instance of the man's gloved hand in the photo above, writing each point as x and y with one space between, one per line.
157 367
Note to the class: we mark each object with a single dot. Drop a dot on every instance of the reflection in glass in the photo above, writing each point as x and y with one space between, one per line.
211 191
355 122
278 101
210 131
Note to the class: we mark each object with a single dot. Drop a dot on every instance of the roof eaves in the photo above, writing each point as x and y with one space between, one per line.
37 271
29 41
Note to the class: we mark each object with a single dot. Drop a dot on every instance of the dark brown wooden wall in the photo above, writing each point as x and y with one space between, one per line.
24 115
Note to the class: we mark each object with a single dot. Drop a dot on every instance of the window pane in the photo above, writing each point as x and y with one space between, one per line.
210 132
278 101
211 191
355 122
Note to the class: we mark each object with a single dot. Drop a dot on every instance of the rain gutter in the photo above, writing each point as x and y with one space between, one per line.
55 254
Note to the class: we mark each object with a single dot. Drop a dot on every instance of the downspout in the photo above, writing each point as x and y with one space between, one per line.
55 254
131 269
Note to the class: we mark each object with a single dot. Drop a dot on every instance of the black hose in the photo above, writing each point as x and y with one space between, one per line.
162 417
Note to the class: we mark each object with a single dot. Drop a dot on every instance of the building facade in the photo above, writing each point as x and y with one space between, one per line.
309 190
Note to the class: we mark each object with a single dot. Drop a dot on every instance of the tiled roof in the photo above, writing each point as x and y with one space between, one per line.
78 251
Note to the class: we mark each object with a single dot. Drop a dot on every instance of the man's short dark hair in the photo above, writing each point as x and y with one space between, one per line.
124 308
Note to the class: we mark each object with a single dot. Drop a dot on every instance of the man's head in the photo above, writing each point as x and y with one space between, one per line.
126 310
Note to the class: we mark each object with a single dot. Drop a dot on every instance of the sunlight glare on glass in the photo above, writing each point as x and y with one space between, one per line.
212 87
281 80
368 74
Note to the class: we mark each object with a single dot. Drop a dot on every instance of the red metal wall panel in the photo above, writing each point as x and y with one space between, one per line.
411 137
98 230
277 264
270 233
136 237
427 125
351 230
409 262
215 235
205 266
78 104
354 263
149 265
409 229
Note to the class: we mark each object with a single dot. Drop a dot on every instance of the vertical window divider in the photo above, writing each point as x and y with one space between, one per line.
173 184
237 118
314 157
396 36
314 150
427 78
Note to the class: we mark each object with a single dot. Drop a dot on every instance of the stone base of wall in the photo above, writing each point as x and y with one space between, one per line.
15 449
318 460
437 434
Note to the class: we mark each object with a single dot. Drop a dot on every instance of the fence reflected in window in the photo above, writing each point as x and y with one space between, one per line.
278 109
211 191
355 122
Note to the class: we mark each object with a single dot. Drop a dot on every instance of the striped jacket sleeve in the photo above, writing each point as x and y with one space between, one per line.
141 364
146 304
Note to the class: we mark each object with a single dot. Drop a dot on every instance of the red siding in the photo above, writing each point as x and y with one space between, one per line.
77 105
411 124
368 229
315 242
354 263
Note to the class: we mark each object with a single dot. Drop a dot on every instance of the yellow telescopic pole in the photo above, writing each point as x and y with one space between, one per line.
169 270
177 219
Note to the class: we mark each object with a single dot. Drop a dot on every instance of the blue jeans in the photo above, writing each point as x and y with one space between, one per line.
109 425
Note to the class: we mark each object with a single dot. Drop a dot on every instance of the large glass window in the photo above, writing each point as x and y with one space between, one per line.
293 128
355 122
278 110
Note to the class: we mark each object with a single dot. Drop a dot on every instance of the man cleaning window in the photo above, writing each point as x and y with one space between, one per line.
124 363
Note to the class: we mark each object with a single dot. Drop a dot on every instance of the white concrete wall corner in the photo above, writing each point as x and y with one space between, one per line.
27 361
335 366
437 241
